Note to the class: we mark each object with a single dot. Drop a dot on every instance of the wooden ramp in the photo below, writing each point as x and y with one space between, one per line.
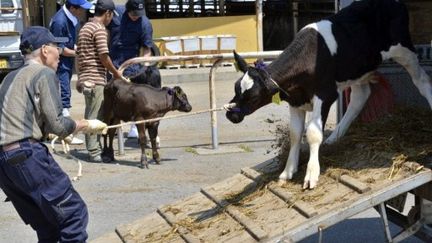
252 206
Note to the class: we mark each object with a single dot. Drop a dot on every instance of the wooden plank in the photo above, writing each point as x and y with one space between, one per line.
183 231
249 225
300 206
353 183
254 229
202 219
251 173
152 228
272 214
233 188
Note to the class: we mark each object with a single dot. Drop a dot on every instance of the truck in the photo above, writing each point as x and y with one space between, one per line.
15 16
11 26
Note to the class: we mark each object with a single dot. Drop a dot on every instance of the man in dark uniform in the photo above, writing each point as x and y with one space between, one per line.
65 23
131 35
31 108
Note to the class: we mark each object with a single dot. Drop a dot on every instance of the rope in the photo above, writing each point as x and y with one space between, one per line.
225 107
67 155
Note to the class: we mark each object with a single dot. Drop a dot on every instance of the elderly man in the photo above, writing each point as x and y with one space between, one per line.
31 108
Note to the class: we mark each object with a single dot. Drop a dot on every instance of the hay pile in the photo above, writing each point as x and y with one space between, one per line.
399 138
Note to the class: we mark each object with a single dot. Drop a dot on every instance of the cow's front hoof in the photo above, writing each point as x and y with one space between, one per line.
286 175
312 174
310 184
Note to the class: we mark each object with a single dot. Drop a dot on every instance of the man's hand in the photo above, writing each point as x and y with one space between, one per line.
94 126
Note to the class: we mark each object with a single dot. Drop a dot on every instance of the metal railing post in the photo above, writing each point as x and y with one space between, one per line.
120 140
212 92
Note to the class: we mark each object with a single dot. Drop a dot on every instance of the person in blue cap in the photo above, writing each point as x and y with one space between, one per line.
131 35
65 23
40 191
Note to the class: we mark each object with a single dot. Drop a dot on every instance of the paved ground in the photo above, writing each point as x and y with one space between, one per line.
119 193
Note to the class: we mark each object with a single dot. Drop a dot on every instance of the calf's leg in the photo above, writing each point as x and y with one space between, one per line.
409 61
153 133
297 121
108 150
358 98
314 135
142 141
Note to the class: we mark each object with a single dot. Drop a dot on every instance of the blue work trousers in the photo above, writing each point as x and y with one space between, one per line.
42 193
65 77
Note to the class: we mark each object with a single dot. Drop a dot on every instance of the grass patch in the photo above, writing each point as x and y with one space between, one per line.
191 150
245 148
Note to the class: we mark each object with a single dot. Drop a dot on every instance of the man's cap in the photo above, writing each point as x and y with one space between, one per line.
135 7
106 5
34 37
82 3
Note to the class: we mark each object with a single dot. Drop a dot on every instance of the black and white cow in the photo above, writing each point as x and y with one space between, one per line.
339 52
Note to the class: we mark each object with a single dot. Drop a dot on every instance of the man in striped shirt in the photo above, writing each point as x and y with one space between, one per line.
93 62
31 108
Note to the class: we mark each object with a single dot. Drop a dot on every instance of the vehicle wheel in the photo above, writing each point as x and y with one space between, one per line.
155 50
2 76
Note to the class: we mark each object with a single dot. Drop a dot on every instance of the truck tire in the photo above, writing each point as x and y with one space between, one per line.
155 50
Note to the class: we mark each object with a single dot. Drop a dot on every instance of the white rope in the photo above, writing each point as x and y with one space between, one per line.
66 150
225 107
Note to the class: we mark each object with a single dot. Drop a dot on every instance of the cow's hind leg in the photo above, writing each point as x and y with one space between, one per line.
142 142
359 95
296 127
409 61
314 135
108 150
153 133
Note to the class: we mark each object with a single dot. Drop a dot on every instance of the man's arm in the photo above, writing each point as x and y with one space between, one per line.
106 61
146 38
50 105
68 52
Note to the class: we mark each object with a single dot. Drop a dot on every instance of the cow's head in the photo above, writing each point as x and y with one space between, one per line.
252 91
180 101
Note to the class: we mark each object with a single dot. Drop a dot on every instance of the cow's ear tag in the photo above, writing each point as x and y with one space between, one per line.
276 98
